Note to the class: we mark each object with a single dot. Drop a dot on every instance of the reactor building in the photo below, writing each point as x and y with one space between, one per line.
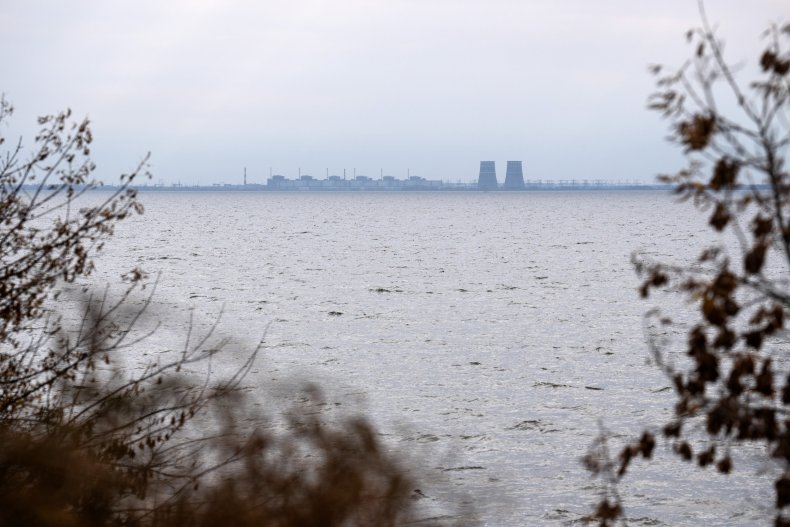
487 179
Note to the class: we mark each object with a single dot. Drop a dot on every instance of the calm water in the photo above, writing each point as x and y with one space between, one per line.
485 334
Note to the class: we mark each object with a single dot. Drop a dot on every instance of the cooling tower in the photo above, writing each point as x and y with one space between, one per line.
514 178
487 179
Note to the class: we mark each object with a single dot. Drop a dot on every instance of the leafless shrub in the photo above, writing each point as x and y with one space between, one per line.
85 441
735 387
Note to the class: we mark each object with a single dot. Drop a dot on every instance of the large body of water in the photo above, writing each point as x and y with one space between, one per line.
486 335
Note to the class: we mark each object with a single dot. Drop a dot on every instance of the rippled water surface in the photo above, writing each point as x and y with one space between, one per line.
485 334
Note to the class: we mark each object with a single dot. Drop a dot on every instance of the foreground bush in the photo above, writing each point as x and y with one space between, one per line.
732 385
84 442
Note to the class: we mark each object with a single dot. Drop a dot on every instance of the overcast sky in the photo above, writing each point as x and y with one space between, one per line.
435 86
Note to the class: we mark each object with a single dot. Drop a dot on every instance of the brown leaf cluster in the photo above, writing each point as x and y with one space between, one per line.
736 383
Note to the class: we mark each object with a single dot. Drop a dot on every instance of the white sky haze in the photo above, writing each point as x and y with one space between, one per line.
435 86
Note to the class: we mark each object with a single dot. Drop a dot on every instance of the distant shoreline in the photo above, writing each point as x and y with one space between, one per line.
401 190
448 188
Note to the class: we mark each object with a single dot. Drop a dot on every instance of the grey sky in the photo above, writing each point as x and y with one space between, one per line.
210 87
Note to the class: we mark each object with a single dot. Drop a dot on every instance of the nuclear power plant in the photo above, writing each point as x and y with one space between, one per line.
486 182
514 177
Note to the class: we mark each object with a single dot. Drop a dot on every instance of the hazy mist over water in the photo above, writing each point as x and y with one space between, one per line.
485 334
431 86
